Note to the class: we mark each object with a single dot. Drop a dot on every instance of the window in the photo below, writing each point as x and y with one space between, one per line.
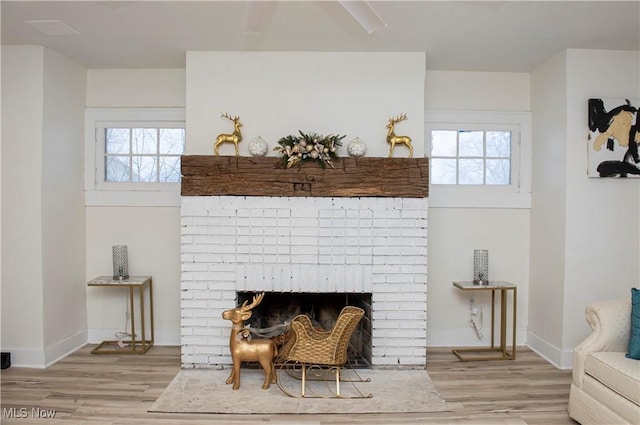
133 156
478 159
481 157
142 154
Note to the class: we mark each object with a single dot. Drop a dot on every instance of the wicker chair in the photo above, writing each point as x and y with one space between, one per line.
311 347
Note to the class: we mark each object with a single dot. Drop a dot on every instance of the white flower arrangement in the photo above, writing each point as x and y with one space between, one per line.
308 147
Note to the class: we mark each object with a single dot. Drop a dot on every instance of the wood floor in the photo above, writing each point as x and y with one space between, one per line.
118 389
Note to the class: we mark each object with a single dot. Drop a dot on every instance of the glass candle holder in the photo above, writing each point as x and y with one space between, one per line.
120 262
481 266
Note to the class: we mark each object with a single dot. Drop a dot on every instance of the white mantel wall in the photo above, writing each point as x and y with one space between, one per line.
278 93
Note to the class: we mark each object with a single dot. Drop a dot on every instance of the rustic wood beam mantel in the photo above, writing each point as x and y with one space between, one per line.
208 175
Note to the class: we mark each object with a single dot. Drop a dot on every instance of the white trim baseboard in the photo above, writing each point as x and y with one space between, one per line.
557 357
43 358
65 347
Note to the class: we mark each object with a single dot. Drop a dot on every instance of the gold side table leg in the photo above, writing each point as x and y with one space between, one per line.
503 322
515 304
142 328
493 316
133 318
151 310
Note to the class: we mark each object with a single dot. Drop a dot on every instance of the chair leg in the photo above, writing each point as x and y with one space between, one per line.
338 382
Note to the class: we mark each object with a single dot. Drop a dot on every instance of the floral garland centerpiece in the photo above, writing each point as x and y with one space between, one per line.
308 147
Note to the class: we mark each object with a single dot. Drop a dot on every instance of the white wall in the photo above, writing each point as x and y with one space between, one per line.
22 298
63 228
586 230
455 232
548 215
42 205
135 88
477 91
278 93
152 234
603 237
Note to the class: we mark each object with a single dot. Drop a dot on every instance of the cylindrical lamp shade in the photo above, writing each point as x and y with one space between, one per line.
120 262
481 266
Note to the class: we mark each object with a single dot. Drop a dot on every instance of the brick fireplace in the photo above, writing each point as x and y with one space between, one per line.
372 245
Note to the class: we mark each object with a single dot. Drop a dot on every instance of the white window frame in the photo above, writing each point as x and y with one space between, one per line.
101 193
515 195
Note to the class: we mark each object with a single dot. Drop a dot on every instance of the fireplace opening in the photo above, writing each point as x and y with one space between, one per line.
323 309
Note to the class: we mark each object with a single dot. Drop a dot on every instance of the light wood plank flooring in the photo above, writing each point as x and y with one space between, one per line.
118 389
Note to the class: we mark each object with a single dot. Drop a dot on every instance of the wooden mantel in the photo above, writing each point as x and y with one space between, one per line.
207 175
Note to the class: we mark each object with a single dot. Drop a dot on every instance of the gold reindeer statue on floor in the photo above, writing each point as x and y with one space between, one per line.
235 137
394 140
243 349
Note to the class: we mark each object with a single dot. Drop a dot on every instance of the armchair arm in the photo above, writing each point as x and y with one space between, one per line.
610 322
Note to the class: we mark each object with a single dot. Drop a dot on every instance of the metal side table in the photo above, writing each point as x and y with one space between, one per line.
466 354
133 346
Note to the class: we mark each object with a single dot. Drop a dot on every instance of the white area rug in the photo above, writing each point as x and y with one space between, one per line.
205 391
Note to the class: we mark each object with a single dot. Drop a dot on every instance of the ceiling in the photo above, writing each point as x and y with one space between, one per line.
508 36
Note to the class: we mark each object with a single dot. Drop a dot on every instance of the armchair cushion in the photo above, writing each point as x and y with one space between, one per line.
634 341
615 372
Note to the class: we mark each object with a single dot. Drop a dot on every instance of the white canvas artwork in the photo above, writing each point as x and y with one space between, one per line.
614 135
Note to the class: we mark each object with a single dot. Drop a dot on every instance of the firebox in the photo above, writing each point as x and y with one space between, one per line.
279 308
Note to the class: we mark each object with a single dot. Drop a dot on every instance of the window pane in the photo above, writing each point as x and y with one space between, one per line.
171 141
471 171
443 143
499 144
116 169
443 171
144 140
144 169
170 169
116 140
498 171
471 143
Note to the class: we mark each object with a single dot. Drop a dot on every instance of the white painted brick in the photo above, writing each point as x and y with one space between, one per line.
192 323
196 303
385 306
189 285
338 257
193 340
202 313
188 359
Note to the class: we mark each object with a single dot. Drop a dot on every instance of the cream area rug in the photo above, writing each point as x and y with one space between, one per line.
205 391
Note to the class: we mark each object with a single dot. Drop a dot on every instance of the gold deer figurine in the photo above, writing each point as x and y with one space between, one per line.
235 137
242 349
394 140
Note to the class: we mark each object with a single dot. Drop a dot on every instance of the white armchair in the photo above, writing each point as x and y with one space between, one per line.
606 384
